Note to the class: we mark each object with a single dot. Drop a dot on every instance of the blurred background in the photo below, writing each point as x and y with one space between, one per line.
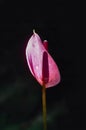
20 94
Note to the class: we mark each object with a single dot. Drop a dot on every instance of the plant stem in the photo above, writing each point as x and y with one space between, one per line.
44 106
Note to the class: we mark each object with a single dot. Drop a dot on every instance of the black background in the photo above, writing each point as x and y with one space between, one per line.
20 94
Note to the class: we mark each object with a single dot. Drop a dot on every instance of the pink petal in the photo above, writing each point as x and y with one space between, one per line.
41 64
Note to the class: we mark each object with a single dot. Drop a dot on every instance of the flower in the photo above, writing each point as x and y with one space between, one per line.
40 62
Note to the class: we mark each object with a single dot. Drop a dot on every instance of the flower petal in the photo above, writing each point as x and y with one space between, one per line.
41 64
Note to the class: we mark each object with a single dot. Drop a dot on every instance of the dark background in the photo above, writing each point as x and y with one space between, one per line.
20 94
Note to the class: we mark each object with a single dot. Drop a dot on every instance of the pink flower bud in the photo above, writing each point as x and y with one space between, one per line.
41 64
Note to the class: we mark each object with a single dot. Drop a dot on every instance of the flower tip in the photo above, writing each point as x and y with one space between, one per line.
33 31
45 41
45 44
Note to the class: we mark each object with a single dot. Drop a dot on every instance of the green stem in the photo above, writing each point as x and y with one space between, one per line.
44 107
